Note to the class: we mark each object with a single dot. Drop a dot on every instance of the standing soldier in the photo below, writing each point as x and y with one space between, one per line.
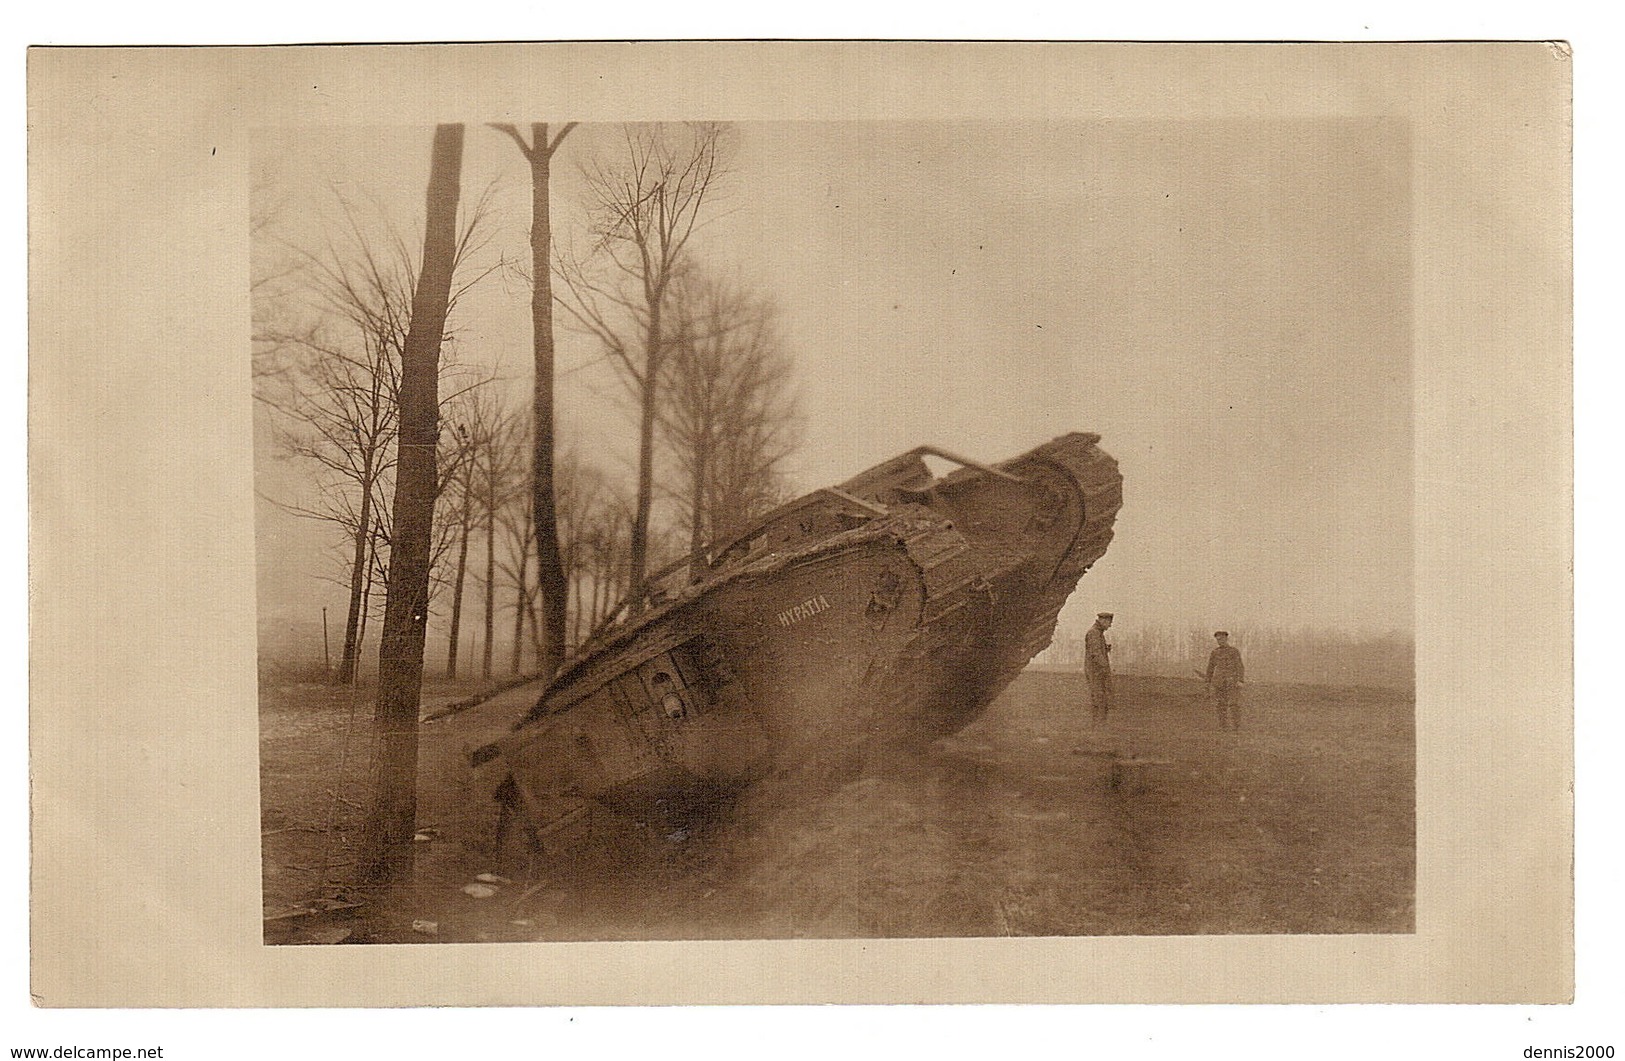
1225 674
1097 667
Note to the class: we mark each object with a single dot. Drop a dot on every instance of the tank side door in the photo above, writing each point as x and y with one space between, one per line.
656 699
721 739
583 751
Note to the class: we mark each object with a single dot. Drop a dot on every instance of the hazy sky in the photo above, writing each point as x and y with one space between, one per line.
1227 303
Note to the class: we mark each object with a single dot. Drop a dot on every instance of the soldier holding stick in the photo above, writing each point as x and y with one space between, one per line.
1225 673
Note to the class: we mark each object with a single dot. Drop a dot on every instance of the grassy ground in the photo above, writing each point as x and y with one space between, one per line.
1303 822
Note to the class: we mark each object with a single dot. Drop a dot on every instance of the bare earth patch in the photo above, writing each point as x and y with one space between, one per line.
1303 822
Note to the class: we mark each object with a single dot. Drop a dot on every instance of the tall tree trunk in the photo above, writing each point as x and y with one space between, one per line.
457 586
575 626
612 592
373 535
353 621
639 553
519 611
544 503
597 607
696 518
490 574
386 855
549 566
535 627
358 577
597 615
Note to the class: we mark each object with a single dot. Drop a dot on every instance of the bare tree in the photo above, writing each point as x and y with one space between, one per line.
484 485
387 854
595 524
593 520
335 388
729 416
272 269
453 457
544 513
515 533
499 481
462 504
339 411
517 525
458 491
643 209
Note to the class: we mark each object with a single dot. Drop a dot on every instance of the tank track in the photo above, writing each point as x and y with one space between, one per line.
1100 485
907 693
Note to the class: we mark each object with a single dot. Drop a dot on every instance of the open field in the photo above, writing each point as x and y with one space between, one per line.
1303 822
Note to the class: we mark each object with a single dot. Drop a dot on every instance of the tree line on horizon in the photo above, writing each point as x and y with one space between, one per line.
1270 652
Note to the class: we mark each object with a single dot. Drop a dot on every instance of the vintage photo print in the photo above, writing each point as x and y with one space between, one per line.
831 693
983 507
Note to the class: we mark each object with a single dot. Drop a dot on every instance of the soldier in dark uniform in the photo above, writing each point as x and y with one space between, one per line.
1097 668
1225 674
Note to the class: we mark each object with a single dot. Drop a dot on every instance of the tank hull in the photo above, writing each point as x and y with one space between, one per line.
888 611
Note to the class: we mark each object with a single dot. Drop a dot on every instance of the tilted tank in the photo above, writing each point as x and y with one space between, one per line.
885 612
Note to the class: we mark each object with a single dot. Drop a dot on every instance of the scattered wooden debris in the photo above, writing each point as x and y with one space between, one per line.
312 908
328 935
532 890
452 708
286 915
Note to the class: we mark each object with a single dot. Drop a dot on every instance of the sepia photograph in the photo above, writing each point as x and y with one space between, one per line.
825 529
783 523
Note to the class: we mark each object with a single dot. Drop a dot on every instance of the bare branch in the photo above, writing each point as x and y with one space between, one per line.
524 149
553 145
641 211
